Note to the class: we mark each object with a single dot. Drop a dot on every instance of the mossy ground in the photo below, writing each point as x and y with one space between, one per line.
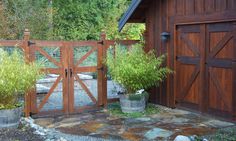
227 134
115 110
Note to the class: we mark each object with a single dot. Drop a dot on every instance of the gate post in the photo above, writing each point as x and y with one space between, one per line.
104 69
27 59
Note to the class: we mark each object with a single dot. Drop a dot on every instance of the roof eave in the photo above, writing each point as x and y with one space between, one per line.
128 14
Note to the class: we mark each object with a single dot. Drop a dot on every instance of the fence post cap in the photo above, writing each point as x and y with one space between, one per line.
103 35
26 32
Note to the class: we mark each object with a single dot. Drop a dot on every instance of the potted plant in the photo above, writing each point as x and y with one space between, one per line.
16 77
135 71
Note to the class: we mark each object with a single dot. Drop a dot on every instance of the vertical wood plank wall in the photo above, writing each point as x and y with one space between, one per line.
164 15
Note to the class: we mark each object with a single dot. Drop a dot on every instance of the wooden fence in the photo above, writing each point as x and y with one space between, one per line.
66 67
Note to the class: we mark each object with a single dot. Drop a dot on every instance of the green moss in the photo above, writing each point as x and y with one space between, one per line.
115 110
228 134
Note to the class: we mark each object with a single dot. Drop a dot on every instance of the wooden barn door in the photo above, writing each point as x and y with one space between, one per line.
188 53
220 77
205 67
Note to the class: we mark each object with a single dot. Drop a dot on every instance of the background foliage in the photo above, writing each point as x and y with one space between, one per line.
16 15
65 20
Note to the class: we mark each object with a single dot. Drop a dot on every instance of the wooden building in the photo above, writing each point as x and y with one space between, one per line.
199 37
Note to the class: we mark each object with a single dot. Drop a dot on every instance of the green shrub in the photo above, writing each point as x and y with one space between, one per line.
135 69
16 77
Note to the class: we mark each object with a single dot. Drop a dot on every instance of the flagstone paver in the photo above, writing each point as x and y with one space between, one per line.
157 133
165 125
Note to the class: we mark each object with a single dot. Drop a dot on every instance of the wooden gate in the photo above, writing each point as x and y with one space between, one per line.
205 67
73 77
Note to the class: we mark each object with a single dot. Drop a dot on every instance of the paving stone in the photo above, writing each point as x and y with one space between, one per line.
115 122
197 131
144 119
218 123
70 124
44 121
172 126
107 136
139 130
70 119
75 130
92 126
157 133
179 112
132 136
176 120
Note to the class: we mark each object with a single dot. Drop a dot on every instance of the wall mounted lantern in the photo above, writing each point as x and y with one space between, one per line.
165 36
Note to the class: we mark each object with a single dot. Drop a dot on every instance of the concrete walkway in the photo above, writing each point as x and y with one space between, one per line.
165 125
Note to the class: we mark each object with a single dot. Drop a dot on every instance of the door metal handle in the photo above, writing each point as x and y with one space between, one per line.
66 72
71 72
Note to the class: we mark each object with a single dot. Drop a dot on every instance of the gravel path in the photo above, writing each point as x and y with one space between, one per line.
22 133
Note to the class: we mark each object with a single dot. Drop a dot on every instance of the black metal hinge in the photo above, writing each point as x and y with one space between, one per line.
101 42
101 69
31 43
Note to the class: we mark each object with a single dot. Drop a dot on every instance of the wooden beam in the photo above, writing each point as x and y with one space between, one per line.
220 91
190 45
49 93
11 43
45 54
209 18
85 69
27 59
193 77
85 56
86 89
188 60
221 44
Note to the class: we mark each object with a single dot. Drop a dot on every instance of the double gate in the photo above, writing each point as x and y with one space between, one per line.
66 65
205 67
74 77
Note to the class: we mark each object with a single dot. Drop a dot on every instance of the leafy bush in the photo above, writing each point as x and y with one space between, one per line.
135 69
16 78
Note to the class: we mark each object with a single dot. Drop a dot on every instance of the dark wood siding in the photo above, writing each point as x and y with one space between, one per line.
186 16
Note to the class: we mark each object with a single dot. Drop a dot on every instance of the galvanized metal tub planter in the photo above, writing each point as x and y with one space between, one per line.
10 118
131 106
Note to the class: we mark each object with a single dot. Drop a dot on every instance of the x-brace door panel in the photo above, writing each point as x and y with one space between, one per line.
188 65
50 93
84 80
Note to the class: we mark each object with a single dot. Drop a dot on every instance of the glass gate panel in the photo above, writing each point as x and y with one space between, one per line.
49 88
55 99
85 89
